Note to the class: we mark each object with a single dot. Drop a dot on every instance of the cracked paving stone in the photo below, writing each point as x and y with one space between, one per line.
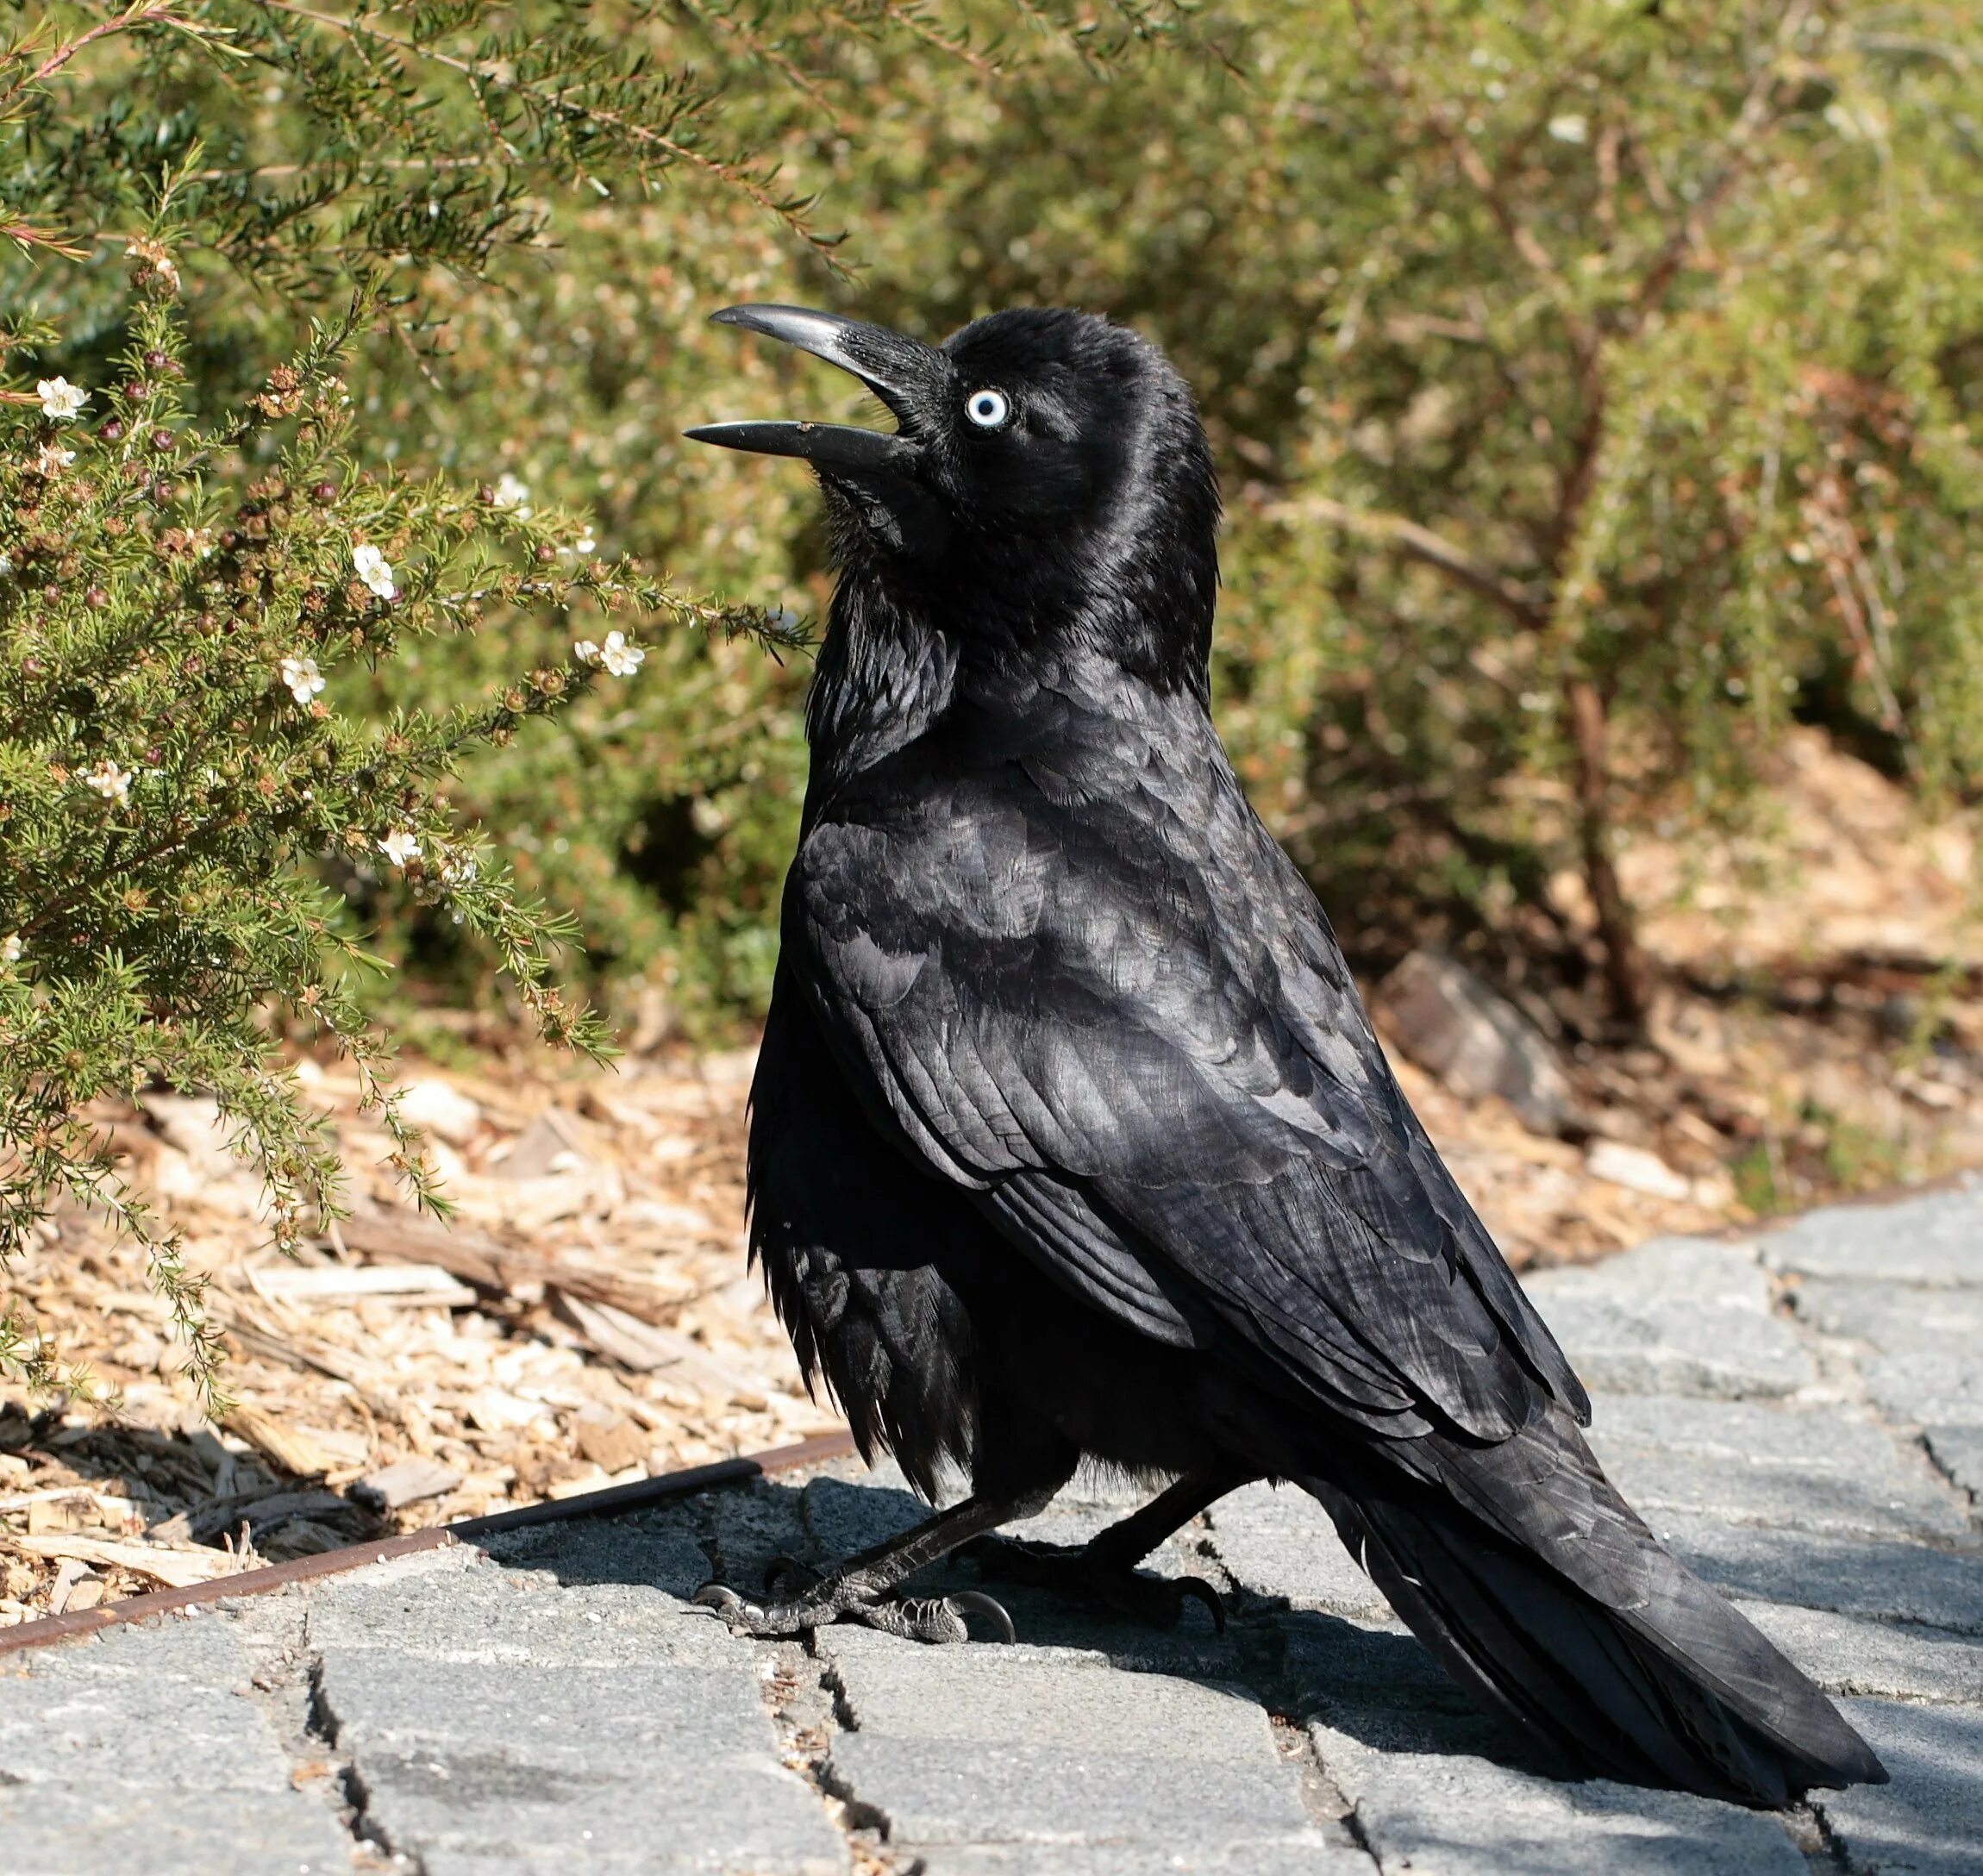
1895 1318
1245 1856
970 1753
1847 1657
628 1745
1328 1663
475 1611
1279 1542
1677 1316
1958 1452
1935 1240
654 1550
1894 1582
841 1518
1820 1468
1929 1386
1929 1822
1044 1696
1462 1814
97 1741
751 1524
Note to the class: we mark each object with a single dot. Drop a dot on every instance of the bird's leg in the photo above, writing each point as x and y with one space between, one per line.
858 1590
1104 1568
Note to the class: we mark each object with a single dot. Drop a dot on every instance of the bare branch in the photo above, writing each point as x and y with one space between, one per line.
1528 606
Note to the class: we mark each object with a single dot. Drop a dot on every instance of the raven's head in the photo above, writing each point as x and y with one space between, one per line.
1047 467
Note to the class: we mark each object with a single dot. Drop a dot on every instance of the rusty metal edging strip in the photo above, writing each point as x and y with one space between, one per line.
607 1504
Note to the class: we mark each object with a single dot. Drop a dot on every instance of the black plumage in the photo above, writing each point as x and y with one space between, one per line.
1070 1138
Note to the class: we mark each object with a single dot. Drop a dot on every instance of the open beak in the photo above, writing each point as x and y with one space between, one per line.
901 372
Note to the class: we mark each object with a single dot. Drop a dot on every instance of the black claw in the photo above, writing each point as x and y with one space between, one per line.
719 1597
975 1601
782 1567
1197 1586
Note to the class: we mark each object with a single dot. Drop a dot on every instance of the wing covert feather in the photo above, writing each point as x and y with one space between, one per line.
1130 1031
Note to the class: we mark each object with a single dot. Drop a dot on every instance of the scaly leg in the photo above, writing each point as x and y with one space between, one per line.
1104 1569
858 1590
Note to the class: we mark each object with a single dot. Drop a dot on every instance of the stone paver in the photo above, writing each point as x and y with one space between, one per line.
1800 1416
504 1719
1958 1452
1929 1822
992 1749
144 1752
1819 1468
1677 1316
1463 1814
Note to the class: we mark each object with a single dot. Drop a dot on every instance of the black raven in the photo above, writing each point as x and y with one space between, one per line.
1070 1138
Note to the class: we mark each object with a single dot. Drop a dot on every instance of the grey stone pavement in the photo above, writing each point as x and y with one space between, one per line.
1800 1416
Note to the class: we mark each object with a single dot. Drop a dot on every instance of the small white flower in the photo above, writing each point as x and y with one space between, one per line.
110 781
1571 128
54 459
586 544
60 399
511 492
399 846
459 871
303 678
585 650
11 948
370 567
620 657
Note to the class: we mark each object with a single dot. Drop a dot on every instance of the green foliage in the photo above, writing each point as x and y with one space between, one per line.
542 317
169 769
200 790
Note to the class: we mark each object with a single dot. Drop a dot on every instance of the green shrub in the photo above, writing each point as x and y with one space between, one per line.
207 564
177 764
299 683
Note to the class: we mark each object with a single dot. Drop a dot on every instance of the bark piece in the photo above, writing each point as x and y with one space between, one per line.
291 1446
405 1482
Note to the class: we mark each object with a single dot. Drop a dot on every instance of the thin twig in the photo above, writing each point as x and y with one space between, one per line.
484 71
129 22
1527 605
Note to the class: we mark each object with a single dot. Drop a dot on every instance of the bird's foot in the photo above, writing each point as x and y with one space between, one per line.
1159 1601
819 1601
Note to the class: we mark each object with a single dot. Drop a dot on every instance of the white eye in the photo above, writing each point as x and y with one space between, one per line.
987 408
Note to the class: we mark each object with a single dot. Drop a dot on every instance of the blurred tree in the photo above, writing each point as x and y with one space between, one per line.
1594 385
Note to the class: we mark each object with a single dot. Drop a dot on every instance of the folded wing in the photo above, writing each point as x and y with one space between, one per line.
1129 1031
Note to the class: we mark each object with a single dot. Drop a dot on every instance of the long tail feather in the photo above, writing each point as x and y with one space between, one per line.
1544 1594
